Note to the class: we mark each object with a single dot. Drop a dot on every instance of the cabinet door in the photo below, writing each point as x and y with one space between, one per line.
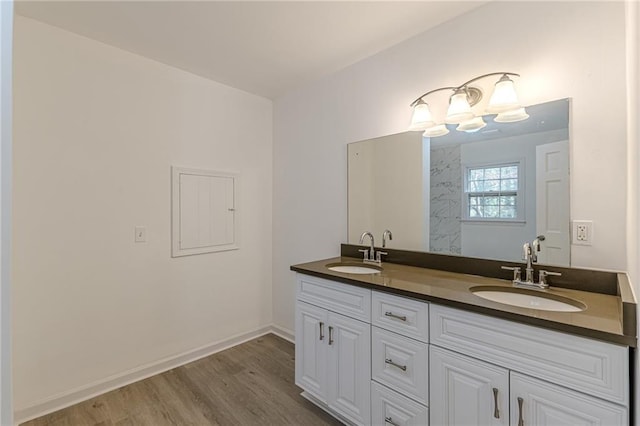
466 391
311 349
349 368
538 403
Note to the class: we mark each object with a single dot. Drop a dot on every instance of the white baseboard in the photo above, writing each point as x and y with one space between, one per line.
82 393
285 333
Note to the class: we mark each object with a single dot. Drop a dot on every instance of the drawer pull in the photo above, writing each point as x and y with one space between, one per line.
389 420
520 420
496 412
390 362
392 315
321 330
330 335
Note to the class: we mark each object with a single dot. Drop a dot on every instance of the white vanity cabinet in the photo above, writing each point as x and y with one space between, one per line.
374 358
530 375
333 346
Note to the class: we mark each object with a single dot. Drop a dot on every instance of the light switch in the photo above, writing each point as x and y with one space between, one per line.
141 234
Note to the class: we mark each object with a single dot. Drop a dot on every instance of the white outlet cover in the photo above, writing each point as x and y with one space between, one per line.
582 232
141 234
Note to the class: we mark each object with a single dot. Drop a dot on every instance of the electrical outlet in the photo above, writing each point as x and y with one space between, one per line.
582 232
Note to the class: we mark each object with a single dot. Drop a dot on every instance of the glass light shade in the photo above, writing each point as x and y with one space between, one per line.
504 97
472 125
511 116
421 118
459 108
435 131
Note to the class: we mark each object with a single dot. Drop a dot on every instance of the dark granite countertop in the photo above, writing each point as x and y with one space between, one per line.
603 319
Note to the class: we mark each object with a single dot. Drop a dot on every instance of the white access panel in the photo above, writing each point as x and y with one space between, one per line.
204 211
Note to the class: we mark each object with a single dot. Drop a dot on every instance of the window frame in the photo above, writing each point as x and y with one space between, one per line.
519 193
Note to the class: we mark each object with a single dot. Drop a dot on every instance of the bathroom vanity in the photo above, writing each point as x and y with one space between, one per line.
412 344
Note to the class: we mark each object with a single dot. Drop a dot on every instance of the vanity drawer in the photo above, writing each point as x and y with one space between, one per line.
590 366
349 300
390 408
401 315
400 363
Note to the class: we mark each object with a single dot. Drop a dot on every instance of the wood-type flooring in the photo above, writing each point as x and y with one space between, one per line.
249 384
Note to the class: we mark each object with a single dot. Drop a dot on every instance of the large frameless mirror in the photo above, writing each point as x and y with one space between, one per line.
481 194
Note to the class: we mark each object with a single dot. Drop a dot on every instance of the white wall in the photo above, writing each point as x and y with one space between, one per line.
6 48
561 50
96 131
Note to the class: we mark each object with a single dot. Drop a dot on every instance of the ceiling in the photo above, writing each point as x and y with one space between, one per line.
263 47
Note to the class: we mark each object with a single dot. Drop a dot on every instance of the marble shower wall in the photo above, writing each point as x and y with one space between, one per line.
445 200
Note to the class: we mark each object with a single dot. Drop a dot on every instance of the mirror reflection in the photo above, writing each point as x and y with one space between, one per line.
479 194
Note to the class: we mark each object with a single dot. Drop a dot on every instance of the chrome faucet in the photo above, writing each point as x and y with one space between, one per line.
530 256
536 248
370 255
384 237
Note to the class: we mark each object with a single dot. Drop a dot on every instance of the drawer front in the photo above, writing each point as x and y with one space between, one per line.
401 315
345 299
389 408
590 366
400 363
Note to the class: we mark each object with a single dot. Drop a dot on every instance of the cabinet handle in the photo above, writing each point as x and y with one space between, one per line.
321 330
520 420
496 412
390 362
330 335
389 420
392 315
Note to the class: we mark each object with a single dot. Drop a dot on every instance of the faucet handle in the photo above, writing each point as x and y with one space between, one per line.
516 272
365 253
379 256
544 274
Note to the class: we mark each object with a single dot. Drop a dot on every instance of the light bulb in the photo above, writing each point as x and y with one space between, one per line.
435 131
421 118
511 116
504 96
472 125
459 108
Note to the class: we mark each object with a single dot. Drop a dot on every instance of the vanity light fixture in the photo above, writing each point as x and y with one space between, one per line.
503 102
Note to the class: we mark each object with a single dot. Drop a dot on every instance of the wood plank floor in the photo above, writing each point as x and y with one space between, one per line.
249 384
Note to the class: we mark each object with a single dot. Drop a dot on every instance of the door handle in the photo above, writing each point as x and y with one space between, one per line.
496 412
389 420
321 324
330 335
390 362
392 315
520 419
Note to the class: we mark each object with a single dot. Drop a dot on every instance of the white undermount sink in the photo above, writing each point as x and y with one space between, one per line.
531 299
354 268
